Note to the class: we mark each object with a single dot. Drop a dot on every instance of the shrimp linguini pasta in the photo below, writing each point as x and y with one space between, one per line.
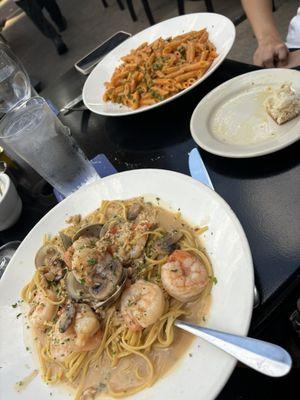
102 343
156 71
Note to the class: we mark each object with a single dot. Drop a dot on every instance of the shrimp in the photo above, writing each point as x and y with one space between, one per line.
81 243
184 276
43 310
84 264
127 240
83 334
82 258
142 304
86 325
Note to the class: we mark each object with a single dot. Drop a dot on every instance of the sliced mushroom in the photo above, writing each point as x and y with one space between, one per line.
76 290
66 317
49 258
133 211
66 240
106 277
167 243
88 230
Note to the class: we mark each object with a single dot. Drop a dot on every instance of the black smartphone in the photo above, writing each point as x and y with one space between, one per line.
87 63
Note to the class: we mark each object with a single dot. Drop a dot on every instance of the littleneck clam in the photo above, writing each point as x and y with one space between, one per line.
106 277
107 274
88 230
167 243
133 211
119 289
66 240
75 290
49 259
79 292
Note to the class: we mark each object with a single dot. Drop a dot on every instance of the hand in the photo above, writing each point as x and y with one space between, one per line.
293 59
271 53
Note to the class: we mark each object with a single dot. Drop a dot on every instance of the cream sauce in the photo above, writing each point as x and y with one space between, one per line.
122 377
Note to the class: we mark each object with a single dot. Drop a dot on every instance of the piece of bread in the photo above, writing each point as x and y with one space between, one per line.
283 105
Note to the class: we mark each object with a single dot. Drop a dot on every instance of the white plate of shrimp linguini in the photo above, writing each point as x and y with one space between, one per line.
89 299
158 64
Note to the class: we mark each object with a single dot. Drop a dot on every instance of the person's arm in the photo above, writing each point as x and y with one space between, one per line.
271 50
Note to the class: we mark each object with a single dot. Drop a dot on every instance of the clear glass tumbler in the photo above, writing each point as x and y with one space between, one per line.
35 134
14 81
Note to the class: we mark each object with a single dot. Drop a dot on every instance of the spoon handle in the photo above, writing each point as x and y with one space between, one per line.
264 357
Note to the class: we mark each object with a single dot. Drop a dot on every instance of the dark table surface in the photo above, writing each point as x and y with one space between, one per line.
264 192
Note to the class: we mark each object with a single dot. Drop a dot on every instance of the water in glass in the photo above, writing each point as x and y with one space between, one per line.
37 135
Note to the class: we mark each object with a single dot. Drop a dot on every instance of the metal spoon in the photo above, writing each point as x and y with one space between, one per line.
264 357
3 168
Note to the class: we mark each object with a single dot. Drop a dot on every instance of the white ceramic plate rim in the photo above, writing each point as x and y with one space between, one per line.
248 276
229 150
125 47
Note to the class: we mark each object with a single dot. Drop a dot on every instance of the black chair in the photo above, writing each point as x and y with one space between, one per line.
146 5
132 10
146 8
120 4
208 3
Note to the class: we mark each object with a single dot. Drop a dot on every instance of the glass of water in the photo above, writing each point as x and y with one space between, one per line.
35 134
14 81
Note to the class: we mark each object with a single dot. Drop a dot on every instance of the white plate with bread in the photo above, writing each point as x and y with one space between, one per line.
250 115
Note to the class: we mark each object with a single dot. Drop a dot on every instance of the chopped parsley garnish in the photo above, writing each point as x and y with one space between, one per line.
18 315
14 305
92 261
101 386
156 95
215 280
181 50
157 65
130 303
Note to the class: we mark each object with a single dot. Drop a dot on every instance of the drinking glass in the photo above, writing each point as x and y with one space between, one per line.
14 81
36 135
